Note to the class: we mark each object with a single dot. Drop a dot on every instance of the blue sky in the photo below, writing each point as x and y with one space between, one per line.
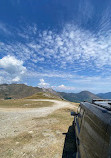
59 44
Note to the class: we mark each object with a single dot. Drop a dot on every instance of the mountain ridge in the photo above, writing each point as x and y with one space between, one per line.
17 91
104 95
78 97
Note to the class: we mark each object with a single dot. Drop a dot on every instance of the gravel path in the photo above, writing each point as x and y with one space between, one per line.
15 120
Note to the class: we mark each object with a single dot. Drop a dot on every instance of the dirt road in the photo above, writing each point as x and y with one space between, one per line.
16 120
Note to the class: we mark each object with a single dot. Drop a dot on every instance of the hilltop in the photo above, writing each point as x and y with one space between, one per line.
18 91
78 97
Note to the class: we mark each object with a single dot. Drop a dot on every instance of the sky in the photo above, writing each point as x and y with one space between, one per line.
60 44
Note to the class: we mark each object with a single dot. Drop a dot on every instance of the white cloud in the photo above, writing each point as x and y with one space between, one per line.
73 49
43 84
63 88
12 65
12 69
72 46
16 79
75 45
55 74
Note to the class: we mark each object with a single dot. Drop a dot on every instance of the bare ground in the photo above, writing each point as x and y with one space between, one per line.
34 132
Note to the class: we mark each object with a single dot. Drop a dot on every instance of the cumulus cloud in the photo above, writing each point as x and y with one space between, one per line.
63 88
12 65
16 79
57 88
12 69
43 84
71 48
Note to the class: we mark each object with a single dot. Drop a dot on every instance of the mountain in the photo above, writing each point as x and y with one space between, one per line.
18 91
78 97
104 95
52 92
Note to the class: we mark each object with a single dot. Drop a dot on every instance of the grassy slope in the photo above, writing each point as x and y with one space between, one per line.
17 91
43 95
27 103
23 103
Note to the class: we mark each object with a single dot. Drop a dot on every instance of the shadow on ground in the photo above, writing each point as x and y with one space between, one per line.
70 149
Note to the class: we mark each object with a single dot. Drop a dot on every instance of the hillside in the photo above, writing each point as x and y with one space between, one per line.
78 97
18 91
44 95
104 95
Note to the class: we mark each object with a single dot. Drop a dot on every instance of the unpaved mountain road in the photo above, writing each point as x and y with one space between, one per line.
13 121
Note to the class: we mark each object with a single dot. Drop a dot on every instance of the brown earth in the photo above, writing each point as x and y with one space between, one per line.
35 132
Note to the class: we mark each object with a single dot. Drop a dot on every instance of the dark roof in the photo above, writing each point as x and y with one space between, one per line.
105 103
99 111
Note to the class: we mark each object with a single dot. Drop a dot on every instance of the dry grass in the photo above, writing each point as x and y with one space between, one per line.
23 103
44 140
43 95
